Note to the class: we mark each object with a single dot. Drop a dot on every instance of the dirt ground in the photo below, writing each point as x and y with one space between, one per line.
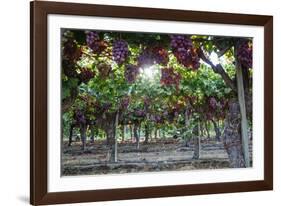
160 155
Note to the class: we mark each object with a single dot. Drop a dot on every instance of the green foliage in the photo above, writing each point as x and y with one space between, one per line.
68 85
108 85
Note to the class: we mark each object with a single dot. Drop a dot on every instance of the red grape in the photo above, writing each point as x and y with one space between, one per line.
184 51
245 54
86 74
131 72
169 76
120 51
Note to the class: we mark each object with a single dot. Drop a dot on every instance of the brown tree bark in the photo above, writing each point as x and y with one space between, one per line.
196 133
70 134
155 133
131 132
207 130
217 130
146 133
136 135
123 132
232 135
83 129
186 124
93 133
107 123
110 134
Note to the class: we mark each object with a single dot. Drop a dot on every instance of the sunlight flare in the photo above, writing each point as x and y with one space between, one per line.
149 72
214 58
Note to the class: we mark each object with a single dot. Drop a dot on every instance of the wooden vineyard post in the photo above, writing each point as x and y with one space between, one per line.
241 99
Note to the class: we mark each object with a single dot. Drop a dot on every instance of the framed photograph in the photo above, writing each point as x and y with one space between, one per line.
131 103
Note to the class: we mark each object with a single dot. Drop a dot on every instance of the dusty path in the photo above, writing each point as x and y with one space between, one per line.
163 155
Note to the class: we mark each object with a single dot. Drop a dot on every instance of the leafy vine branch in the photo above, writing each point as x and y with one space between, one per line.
219 70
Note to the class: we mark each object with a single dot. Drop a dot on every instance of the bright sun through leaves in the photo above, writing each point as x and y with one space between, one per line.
149 72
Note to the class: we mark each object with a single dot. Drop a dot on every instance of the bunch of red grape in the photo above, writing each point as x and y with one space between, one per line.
152 55
125 102
216 108
161 55
213 103
101 108
71 51
146 102
157 118
174 111
139 113
245 54
92 39
120 51
145 58
94 42
169 115
106 106
184 51
169 76
177 109
85 75
224 104
80 117
69 69
131 72
222 108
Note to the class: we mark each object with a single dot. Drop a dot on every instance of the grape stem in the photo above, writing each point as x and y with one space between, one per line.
223 51
219 70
